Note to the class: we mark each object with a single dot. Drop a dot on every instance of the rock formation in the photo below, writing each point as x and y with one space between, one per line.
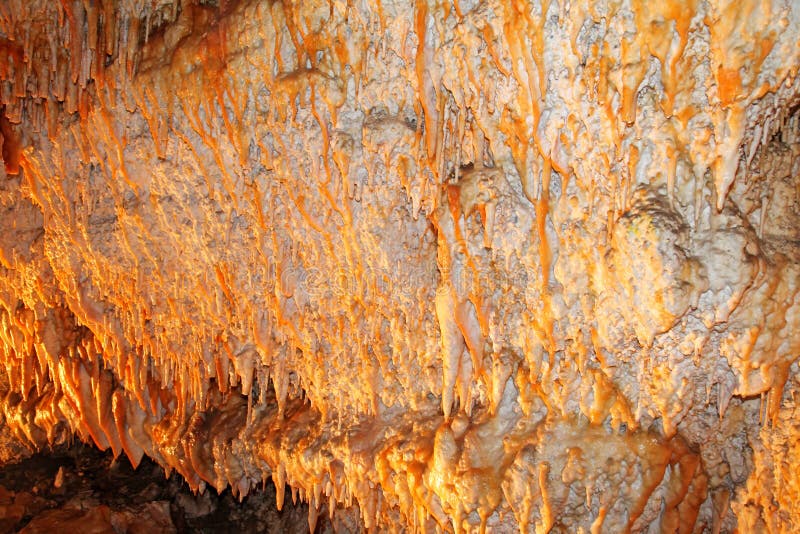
452 266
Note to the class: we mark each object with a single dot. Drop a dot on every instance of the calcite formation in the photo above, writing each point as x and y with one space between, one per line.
450 265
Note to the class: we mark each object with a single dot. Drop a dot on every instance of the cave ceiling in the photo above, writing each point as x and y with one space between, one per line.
440 265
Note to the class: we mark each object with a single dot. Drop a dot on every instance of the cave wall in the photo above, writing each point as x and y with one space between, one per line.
530 266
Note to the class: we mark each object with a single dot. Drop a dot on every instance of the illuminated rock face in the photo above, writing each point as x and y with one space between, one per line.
528 267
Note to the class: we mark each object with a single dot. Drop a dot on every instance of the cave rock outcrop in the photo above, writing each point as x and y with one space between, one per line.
446 265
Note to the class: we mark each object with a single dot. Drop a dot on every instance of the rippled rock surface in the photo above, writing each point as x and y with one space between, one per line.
441 266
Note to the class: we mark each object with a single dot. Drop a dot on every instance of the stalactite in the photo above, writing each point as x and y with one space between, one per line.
471 266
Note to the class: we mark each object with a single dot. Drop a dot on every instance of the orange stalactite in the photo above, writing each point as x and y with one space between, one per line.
11 145
386 307
730 84
426 88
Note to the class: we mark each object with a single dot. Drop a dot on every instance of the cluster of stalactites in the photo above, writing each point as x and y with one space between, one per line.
55 384
518 125
52 52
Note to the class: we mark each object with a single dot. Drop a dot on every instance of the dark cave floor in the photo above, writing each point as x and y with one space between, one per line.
83 488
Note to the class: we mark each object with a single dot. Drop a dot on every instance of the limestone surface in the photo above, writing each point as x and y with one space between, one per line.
452 265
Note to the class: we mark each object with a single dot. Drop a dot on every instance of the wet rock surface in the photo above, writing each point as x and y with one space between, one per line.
448 264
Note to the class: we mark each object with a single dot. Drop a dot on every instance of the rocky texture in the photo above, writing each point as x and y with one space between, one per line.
519 265
80 488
